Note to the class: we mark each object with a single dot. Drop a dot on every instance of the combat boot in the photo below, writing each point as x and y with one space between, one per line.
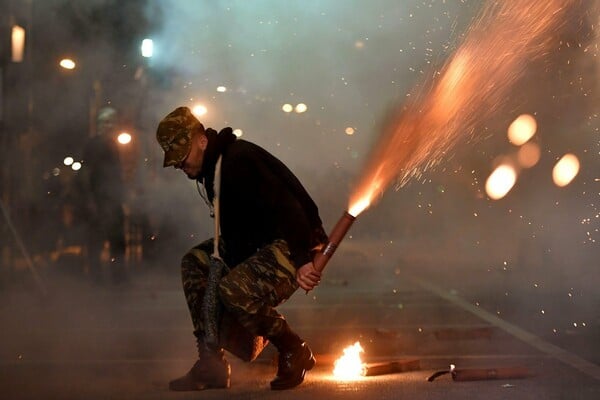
211 371
295 358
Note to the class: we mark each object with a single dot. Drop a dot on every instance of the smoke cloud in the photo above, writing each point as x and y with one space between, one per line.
350 62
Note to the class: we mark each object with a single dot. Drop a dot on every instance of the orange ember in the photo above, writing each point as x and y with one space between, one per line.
470 87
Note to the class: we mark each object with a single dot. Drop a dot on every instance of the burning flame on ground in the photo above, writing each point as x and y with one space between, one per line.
349 366
469 88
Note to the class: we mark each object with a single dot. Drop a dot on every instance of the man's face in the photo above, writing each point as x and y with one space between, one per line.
192 163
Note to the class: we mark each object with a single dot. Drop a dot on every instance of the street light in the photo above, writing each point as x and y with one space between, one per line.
67 63
18 43
301 107
124 138
147 48
199 110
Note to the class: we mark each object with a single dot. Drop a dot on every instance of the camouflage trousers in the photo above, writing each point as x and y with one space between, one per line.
249 292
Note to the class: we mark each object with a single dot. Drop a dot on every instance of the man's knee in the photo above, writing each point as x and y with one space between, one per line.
194 265
188 263
198 256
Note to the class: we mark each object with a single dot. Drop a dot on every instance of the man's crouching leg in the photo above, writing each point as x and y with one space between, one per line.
251 291
295 358
212 369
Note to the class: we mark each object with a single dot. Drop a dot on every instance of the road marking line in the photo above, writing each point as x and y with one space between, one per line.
560 354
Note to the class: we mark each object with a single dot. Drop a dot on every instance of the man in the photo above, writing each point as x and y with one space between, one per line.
104 193
270 228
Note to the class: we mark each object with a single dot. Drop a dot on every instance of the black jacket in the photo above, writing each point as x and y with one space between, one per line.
261 200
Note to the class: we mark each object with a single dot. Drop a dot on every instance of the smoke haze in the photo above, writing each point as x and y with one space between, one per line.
351 63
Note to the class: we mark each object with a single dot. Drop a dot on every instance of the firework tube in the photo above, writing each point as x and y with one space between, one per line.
391 367
335 237
476 374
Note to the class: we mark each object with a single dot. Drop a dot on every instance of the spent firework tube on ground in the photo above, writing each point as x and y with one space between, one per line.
335 237
391 367
478 374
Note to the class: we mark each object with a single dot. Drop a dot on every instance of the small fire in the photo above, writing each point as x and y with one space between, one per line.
349 366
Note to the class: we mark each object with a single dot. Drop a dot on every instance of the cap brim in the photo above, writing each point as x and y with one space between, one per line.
171 159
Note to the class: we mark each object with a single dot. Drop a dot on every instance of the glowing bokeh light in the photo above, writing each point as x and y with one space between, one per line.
67 63
301 107
528 155
76 166
221 89
17 43
199 110
349 130
238 132
349 366
68 161
147 48
522 129
500 181
565 170
287 108
124 138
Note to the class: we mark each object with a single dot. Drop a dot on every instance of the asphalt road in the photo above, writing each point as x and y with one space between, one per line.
83 341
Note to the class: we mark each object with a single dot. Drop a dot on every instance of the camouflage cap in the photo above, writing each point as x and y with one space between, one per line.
174 134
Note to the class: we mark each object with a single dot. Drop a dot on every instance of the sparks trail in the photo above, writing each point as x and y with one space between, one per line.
469 88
